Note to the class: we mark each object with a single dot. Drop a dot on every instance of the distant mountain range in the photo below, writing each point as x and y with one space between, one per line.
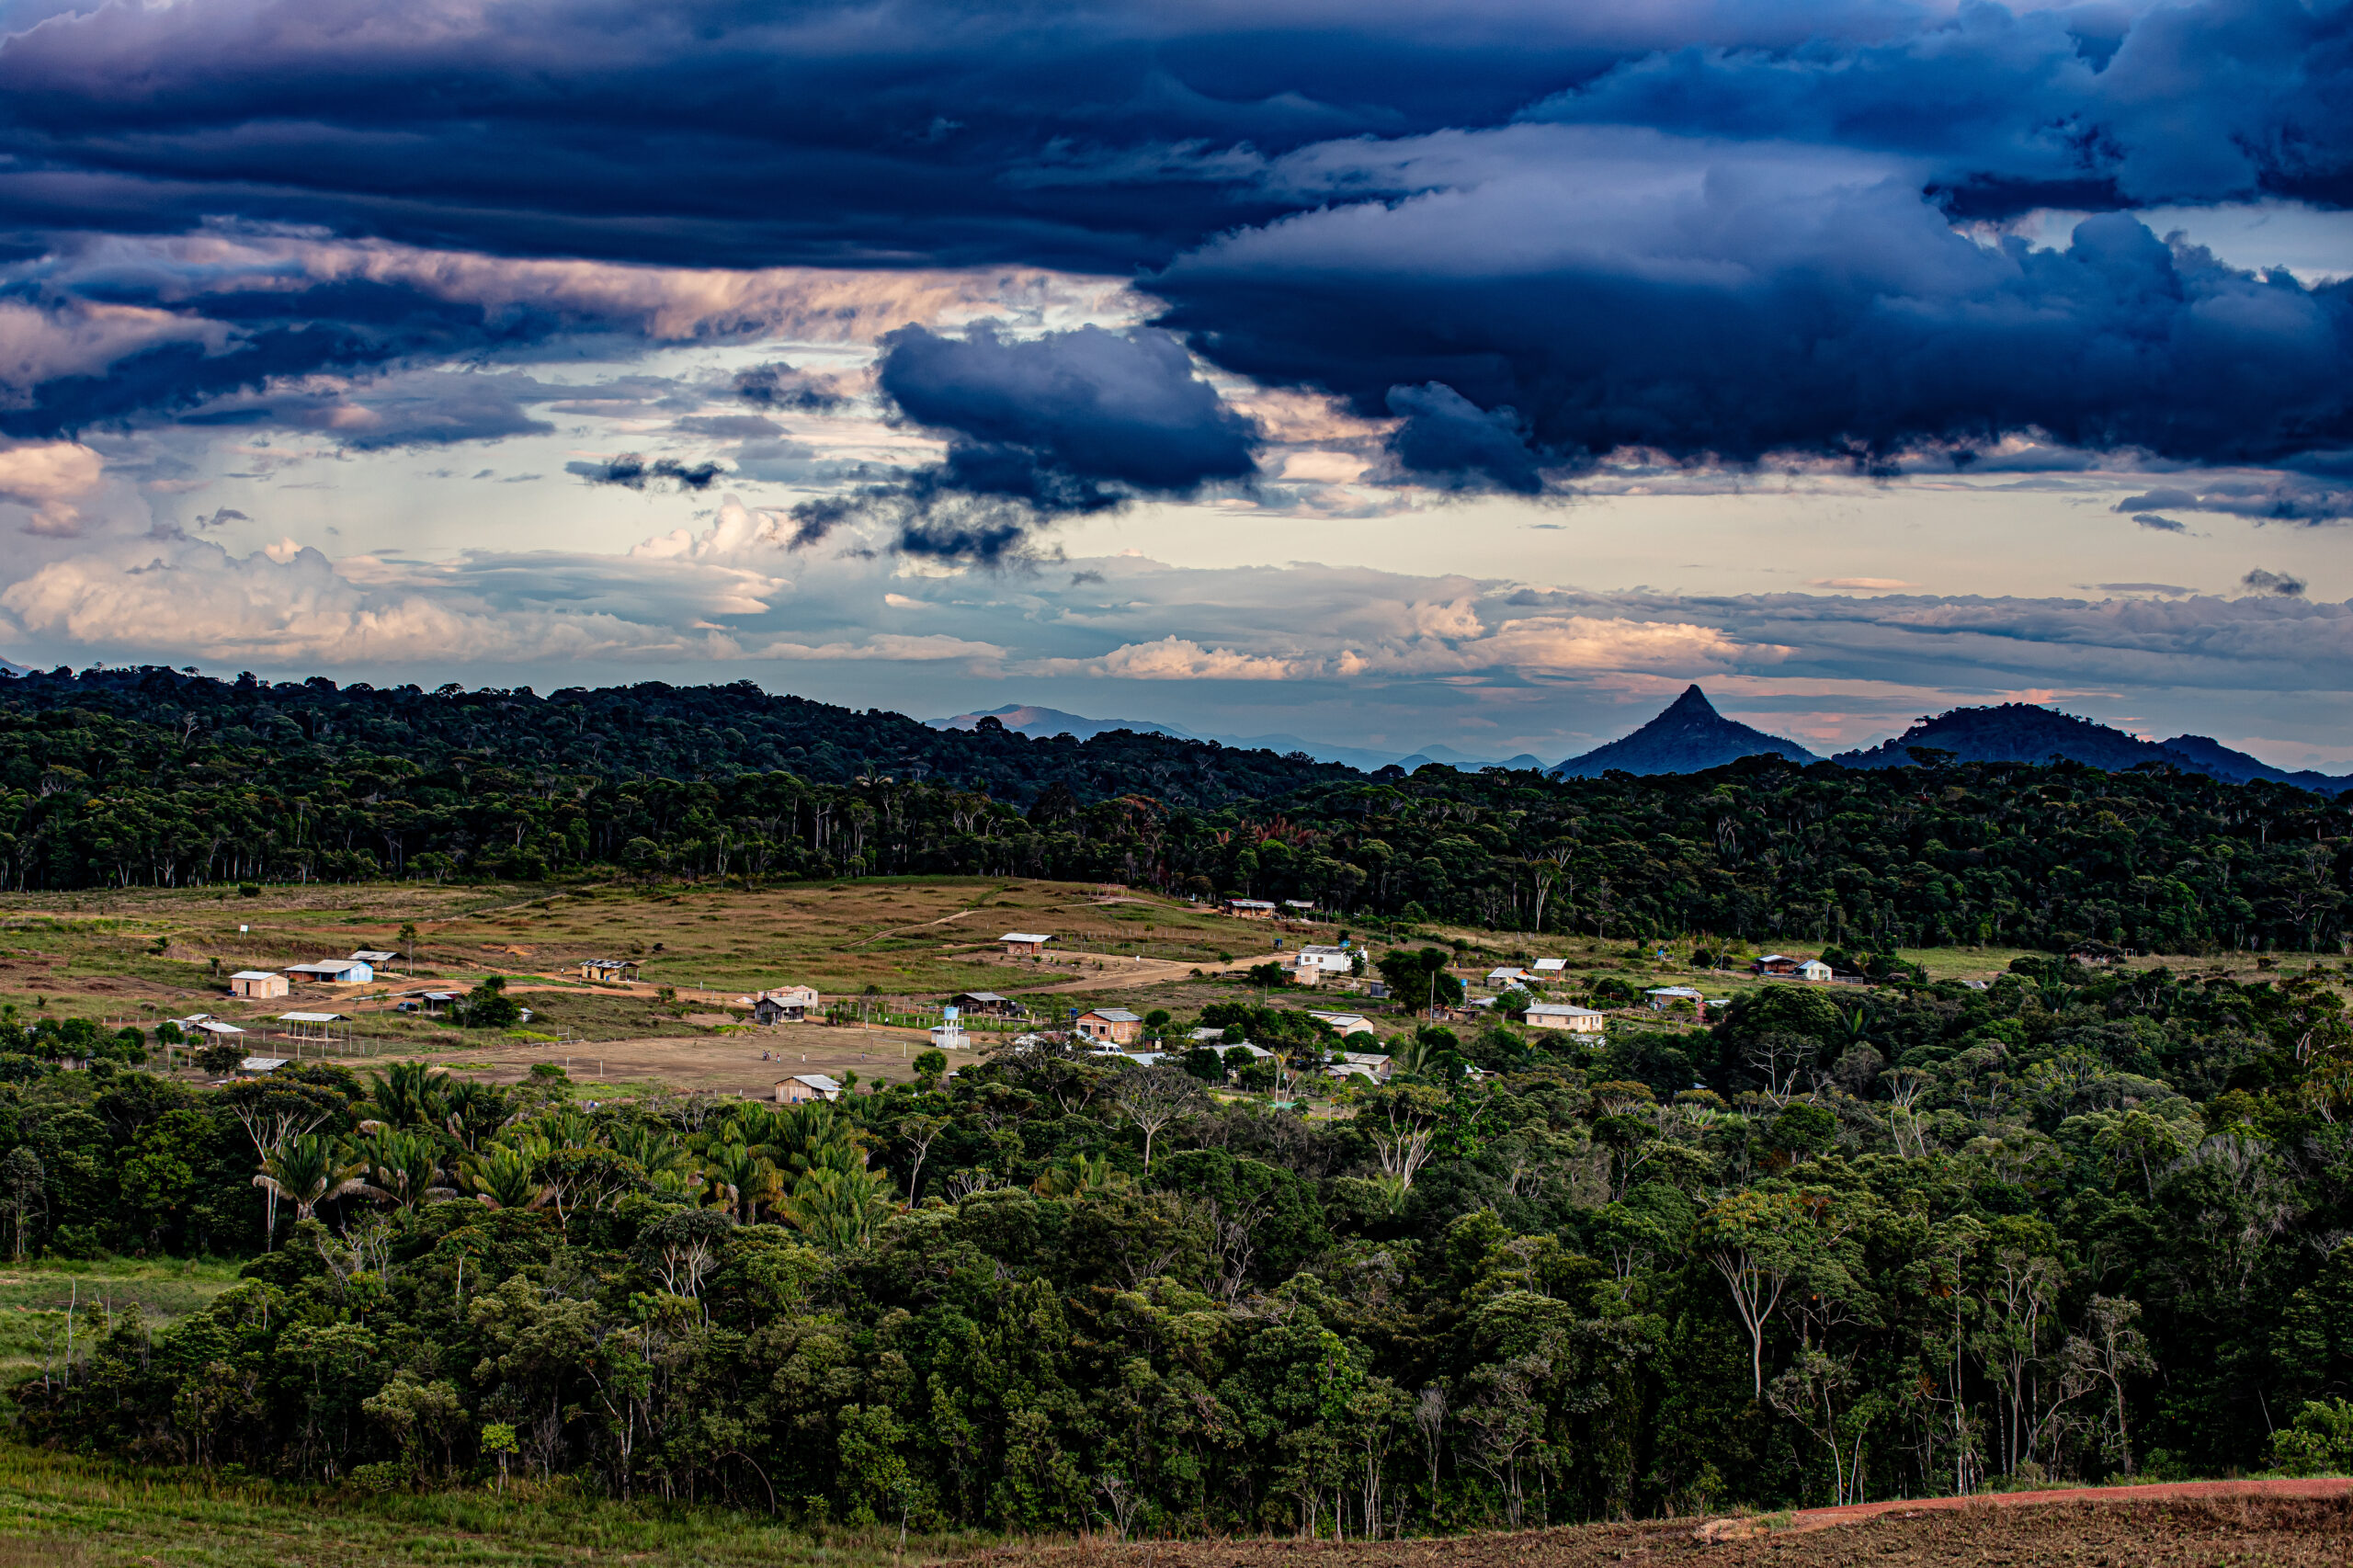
2021 731
1690 737
1041 722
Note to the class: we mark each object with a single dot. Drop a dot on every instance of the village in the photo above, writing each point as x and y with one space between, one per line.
1064 989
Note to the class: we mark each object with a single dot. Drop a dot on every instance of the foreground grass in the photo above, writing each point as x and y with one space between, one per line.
37 1300
57 1509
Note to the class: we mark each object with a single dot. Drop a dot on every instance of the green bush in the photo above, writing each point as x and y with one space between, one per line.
2319 1442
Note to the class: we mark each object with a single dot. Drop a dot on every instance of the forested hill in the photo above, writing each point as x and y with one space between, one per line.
2022 731
142 778
615 734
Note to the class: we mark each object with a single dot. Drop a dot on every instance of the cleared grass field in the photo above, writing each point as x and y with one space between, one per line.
40 1302
57 1511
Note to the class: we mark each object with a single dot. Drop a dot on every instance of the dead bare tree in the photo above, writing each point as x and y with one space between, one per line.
1155 1096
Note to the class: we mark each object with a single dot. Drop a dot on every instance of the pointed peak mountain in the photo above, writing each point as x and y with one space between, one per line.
1690 736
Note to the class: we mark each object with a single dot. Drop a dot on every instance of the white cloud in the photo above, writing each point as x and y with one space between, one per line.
666 303
885 647
48 477
78 339
1178 658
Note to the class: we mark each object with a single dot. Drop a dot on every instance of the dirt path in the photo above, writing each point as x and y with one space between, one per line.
2156 1492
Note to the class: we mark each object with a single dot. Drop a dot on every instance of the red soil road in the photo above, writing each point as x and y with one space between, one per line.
2155 1492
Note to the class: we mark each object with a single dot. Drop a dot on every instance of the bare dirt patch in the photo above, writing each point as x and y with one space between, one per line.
747 1063
2242 1524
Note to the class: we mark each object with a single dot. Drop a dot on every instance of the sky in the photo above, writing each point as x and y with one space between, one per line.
1381 375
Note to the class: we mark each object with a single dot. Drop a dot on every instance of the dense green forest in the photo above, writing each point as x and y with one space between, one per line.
147 777
2079 1223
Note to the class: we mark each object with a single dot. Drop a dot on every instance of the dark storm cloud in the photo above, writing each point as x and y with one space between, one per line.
2286 498
2160 523
1067 134
780 386
1068 423
1076 408
2076 106
1535 232
1099 134
2277 584
242 335
631 472
1747 309
1446 437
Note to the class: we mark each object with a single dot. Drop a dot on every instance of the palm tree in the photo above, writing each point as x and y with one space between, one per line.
308 1171
1086 1172
506 1177
740 1176
407 1093
659 1153
404 1167
839 1206
472 1111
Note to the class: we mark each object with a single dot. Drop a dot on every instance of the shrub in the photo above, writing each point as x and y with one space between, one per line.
2319 1442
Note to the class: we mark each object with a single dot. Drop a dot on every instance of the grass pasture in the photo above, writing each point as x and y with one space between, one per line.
57 1511
38 1299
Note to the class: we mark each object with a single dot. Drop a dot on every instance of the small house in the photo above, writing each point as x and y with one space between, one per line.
1505 978
1561 1016
259 983
258 1066
1024 944
1316 962
805 1089
333 972
1774 963
610 971
1662 997
985 1004
1344 1024
1816 971
1112 1026
784 1005
1359 1064
1298 908
1250 908
375 957
212 1028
